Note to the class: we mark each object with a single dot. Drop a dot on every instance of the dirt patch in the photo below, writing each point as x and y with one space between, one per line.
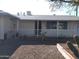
37 52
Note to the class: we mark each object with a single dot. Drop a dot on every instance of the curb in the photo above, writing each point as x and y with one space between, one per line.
66 54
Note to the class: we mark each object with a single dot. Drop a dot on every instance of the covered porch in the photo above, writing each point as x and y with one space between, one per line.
49 28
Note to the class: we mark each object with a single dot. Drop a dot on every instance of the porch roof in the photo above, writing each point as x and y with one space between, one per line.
49 17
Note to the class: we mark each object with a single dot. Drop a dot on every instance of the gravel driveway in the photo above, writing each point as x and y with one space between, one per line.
8 47
37 52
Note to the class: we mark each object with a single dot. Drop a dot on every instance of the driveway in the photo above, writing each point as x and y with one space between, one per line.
8 47
37 52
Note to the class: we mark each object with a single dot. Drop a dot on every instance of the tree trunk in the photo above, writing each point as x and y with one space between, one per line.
76 10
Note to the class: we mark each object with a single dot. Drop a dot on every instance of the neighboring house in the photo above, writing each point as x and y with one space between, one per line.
8 24
31 25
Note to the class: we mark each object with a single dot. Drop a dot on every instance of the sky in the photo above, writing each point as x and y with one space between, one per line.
37 7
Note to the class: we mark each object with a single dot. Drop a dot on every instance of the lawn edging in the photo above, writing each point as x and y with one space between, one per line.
66 54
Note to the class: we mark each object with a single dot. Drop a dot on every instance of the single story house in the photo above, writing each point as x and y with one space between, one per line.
31 25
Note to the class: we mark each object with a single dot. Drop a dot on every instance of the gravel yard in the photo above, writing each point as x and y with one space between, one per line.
29 47
37 52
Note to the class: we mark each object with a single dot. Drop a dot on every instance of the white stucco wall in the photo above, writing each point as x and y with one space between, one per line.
72 29
1 27
44 24
26 27
10 26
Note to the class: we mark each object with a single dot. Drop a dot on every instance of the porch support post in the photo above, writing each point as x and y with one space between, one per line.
57 29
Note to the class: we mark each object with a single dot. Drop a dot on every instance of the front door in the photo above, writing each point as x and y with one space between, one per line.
37 27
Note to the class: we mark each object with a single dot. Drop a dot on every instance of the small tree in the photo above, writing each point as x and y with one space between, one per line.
56 4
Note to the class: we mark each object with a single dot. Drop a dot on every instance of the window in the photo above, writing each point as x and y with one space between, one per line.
62 25
51 25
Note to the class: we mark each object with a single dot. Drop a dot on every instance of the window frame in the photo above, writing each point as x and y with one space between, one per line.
63 24
51 25
57 24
